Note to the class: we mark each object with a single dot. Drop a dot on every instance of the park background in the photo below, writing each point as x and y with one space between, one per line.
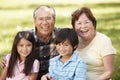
17 15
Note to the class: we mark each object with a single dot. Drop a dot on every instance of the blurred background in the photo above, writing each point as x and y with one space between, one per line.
17 15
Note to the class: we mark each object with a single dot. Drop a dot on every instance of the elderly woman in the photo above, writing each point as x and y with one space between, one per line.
95 48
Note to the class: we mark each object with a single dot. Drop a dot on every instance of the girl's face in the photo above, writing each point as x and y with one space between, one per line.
24 48
84 27
64 48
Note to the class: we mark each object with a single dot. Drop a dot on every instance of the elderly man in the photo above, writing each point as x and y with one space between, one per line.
44 19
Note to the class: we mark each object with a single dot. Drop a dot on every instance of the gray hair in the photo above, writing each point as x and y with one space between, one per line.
44 6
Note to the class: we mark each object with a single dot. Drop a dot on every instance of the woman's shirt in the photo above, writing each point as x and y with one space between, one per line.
18 68
93 55
73 69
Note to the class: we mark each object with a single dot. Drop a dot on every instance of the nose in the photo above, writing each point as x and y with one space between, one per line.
24 48
61 47
83 25
44 21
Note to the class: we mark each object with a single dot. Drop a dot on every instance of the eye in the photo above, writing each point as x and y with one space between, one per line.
48 18
40 19
79 23
29 45
59 44
21 45
87 22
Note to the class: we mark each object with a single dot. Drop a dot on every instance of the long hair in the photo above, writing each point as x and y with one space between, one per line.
14 53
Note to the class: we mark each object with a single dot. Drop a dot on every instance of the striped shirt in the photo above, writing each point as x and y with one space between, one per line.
73 69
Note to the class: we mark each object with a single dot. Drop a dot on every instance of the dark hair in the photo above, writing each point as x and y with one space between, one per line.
67 34
44 6
14 53
77 13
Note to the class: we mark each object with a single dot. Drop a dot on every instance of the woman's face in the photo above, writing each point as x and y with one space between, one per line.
84 27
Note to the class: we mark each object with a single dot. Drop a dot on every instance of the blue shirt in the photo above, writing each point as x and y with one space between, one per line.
73 69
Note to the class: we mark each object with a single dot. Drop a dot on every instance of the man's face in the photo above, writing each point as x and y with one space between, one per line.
44 22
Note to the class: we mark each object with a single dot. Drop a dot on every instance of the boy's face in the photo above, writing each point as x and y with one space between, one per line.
64 48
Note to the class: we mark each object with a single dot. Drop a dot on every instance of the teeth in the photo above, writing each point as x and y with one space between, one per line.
83 31
45 28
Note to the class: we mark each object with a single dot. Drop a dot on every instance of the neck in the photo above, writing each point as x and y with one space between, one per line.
85 42
43 38
22 59
65 58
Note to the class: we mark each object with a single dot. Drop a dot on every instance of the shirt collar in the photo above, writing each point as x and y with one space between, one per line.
37 40
19 62
72 58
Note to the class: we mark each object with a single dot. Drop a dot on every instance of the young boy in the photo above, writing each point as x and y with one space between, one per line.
68 65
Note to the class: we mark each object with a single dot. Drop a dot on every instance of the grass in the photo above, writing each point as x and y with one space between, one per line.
17 15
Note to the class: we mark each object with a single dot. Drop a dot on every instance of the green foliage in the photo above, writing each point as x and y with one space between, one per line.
17 15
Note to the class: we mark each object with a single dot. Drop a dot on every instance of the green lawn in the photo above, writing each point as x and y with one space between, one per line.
16 15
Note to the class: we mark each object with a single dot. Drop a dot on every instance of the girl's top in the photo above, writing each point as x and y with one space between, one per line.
18 69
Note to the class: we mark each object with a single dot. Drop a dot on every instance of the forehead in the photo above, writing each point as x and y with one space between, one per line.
66 41
83 17
43 11
24 41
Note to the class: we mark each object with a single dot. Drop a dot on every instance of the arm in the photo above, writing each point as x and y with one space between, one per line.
108 67
35 70
46 77
4 73
33 76
3 62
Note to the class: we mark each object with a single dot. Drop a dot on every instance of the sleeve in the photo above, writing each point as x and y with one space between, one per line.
107 47
80 73
7 58
36 66
51 68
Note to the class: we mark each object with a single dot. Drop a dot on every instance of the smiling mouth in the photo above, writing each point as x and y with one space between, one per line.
84 31
45 28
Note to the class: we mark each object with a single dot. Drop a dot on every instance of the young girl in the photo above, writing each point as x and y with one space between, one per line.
68 65
21 63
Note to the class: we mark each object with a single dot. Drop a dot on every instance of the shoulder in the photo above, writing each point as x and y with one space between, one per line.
102 36
78 57
101 39
80 61
8 56
55 58
105 45
31 30
36 62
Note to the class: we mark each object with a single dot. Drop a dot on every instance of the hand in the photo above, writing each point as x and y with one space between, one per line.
46 77
51 78
3 63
